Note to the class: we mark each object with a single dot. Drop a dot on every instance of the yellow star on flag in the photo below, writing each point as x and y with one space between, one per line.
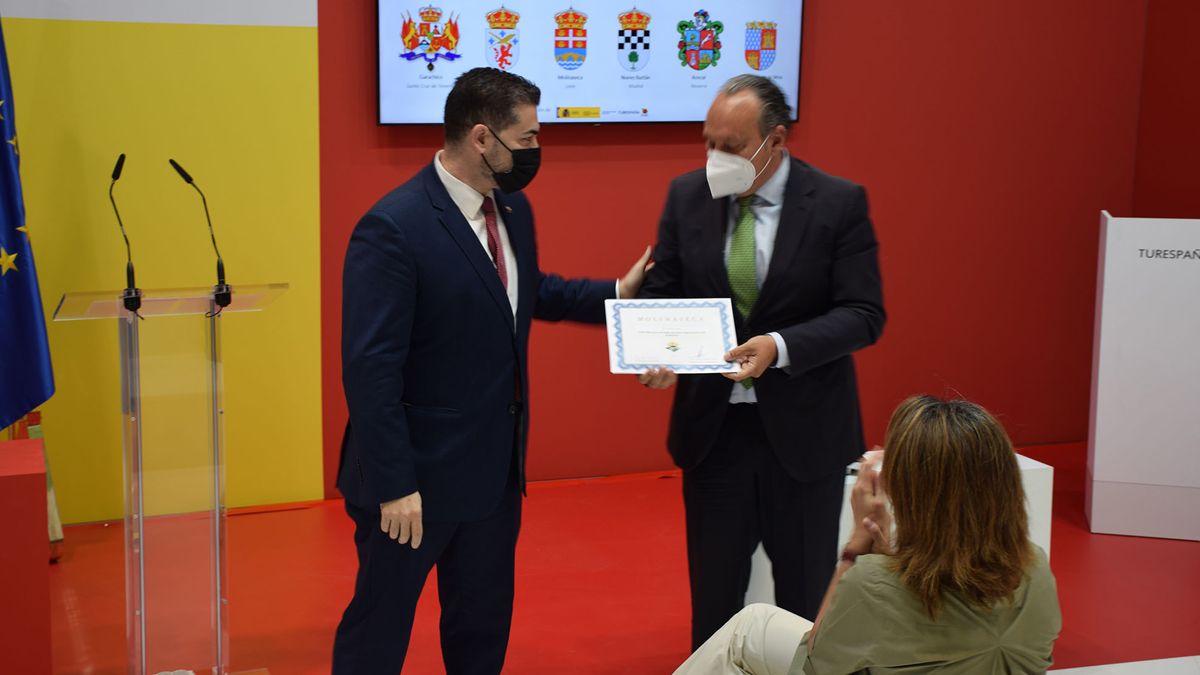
7 262
16 148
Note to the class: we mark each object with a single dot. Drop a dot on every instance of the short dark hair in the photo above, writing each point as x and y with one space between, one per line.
486 96
775 109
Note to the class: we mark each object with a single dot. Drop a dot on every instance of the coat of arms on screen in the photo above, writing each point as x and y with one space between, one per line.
700 41
503 38
570 38
760 44
633 39
428 39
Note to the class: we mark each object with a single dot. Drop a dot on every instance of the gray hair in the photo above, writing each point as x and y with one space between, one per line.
775 110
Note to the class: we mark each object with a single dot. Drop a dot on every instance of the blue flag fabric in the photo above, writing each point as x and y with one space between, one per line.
26 380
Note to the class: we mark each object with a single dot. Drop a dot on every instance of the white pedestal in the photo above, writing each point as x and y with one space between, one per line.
1039 493
1143 453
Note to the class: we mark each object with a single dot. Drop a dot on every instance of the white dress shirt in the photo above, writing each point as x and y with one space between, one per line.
767 207
470 202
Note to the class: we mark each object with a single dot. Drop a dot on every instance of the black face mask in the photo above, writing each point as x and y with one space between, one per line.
525 163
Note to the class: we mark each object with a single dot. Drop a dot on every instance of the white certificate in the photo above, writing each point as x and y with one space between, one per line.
687 336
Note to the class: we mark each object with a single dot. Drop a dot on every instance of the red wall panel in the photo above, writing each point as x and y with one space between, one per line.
1167 184
989 136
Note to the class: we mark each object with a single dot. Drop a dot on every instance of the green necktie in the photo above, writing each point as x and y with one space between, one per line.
743 276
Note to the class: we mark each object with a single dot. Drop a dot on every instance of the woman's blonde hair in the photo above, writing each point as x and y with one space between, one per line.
959 505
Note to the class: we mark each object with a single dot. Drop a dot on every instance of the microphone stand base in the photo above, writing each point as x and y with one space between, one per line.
222 295
131 299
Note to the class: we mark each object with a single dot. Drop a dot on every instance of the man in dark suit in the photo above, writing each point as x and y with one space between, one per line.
764 457
441 283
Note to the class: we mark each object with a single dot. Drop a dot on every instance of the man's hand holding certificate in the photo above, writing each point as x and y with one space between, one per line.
686 336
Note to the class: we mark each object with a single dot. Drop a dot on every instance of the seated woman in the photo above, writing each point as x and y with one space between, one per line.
957 587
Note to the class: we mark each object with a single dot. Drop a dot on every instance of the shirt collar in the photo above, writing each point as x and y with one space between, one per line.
465 197
771 192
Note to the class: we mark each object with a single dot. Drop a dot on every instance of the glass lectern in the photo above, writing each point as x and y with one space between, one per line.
171 387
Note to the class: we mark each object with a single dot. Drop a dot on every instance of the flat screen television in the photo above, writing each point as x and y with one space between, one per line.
595 61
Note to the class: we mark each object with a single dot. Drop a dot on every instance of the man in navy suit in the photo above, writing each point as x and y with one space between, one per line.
440 286
764 457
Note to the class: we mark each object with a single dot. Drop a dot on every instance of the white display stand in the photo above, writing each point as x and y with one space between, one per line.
1143 452
1038 479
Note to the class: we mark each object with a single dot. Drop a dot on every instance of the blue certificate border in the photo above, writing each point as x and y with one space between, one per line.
726 332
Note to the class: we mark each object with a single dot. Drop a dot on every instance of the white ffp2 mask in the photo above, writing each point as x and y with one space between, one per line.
730 174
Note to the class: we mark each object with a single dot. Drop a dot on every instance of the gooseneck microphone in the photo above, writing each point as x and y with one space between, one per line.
131 297
222 292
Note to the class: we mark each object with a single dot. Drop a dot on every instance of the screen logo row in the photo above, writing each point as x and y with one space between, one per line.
427 38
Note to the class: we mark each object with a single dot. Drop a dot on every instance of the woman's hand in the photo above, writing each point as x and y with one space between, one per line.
881 535
872 521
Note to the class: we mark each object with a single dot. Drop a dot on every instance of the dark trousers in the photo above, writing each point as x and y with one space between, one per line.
739 496
475 567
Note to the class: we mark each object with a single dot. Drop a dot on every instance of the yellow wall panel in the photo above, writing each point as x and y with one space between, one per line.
237 106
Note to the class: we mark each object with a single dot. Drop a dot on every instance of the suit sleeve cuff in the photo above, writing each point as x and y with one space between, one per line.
782 360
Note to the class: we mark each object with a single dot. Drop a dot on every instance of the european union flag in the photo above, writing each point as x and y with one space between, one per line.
26 380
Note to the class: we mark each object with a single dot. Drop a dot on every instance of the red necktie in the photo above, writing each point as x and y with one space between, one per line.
493 240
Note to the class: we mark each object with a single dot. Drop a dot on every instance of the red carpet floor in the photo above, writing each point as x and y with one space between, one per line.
601 587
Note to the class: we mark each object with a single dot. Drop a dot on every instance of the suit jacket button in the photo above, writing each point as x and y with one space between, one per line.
512 408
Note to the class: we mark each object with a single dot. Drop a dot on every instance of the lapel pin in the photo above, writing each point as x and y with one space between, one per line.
508 209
